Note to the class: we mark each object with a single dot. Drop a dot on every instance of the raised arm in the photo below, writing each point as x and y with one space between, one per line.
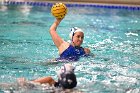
58 41
55 37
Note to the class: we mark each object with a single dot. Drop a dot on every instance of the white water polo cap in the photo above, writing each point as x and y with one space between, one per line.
67 68
73 31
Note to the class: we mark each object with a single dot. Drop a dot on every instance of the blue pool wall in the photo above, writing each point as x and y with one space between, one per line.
74 5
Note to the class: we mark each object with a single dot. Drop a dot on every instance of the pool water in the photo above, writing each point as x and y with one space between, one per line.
113 35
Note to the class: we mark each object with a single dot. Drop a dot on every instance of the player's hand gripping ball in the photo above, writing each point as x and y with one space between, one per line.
59 10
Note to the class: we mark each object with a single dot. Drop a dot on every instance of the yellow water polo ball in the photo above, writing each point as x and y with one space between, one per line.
59 10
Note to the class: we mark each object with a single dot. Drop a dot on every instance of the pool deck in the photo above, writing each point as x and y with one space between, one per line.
134 3
104 2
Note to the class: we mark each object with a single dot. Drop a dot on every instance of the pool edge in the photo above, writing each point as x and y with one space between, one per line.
73 4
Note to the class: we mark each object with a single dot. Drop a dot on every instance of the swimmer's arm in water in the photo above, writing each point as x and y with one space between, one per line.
43 80
58 41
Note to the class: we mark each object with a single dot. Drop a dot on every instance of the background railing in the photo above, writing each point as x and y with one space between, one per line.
130 2
134 2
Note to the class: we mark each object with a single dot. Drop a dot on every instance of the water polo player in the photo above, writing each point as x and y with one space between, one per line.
68 51
66 79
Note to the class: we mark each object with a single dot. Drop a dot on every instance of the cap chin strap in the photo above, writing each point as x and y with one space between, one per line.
72 43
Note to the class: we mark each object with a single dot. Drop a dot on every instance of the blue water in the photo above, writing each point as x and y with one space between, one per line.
113 35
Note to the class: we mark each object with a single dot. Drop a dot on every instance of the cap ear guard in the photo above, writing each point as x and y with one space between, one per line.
72 32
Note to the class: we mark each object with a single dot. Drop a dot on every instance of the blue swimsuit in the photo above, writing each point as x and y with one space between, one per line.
72 53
